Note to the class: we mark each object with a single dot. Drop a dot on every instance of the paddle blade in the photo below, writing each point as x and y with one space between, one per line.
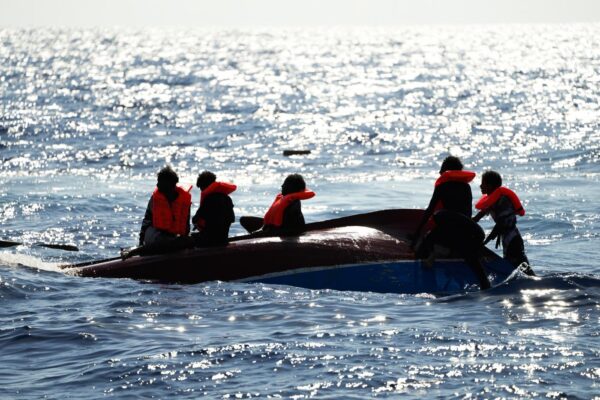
66 247
8 243
251 224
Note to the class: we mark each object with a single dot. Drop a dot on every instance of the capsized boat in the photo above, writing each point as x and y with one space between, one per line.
364 252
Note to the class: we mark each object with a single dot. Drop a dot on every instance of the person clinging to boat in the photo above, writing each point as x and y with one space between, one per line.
454 233
285 214
503 205
215 213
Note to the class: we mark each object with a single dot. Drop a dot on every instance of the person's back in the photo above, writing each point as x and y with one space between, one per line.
166 224
215 214
293 219
454 234
454 196
168 211
452 192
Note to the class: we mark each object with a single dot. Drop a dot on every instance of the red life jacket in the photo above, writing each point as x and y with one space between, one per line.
453 176
172 217
488 201
275 214
215 187
218 187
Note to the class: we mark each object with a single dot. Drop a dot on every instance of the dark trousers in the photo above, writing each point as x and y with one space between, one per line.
515 252
462 237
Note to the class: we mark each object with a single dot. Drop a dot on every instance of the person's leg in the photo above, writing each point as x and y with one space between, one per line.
478 269
169 245
515 254
159 243
465 238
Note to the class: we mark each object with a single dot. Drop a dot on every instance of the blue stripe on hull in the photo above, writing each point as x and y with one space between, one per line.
446 276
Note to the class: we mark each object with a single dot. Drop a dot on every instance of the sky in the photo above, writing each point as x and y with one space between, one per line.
250 13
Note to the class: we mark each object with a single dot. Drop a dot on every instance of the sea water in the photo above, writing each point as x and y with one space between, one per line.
88 117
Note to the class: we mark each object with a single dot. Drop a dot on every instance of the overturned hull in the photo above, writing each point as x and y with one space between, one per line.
366 252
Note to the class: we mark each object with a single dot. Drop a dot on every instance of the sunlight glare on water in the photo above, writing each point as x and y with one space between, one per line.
88 117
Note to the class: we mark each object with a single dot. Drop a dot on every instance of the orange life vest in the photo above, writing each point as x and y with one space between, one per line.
215 187
218 187
455 176
488 201
275 214
172 217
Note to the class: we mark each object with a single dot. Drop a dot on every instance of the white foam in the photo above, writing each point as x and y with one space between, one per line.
20 260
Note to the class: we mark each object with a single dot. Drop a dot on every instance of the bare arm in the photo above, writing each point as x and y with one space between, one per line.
479 215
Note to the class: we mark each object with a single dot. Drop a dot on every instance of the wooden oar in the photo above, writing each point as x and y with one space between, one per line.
67 247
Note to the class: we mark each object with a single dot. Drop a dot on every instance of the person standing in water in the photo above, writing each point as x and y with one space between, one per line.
503 205
454 232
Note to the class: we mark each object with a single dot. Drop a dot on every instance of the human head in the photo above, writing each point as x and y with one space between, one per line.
293 183
490 181
205 179
451 163
166 180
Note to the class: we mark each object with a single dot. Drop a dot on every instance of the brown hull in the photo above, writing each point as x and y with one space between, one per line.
377 236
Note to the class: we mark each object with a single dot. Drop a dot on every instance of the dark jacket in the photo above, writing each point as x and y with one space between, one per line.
454 196
217 212
293 221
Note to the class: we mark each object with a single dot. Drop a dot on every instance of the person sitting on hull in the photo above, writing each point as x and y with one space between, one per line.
285 217
215 213
167 216
168 212
454 233
503 205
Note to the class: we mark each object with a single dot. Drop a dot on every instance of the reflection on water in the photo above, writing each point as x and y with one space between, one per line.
87 117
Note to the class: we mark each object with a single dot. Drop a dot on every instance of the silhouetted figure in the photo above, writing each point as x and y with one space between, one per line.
454 233
215 213
285 217
166 223
168 212
503 205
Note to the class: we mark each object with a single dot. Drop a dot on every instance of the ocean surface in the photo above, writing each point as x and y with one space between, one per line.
88 117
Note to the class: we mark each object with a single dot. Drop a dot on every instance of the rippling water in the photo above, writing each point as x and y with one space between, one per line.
87 117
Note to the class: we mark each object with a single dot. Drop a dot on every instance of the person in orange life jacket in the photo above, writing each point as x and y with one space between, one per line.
168 212
285 216
503 205
215 213
452 192
454 233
